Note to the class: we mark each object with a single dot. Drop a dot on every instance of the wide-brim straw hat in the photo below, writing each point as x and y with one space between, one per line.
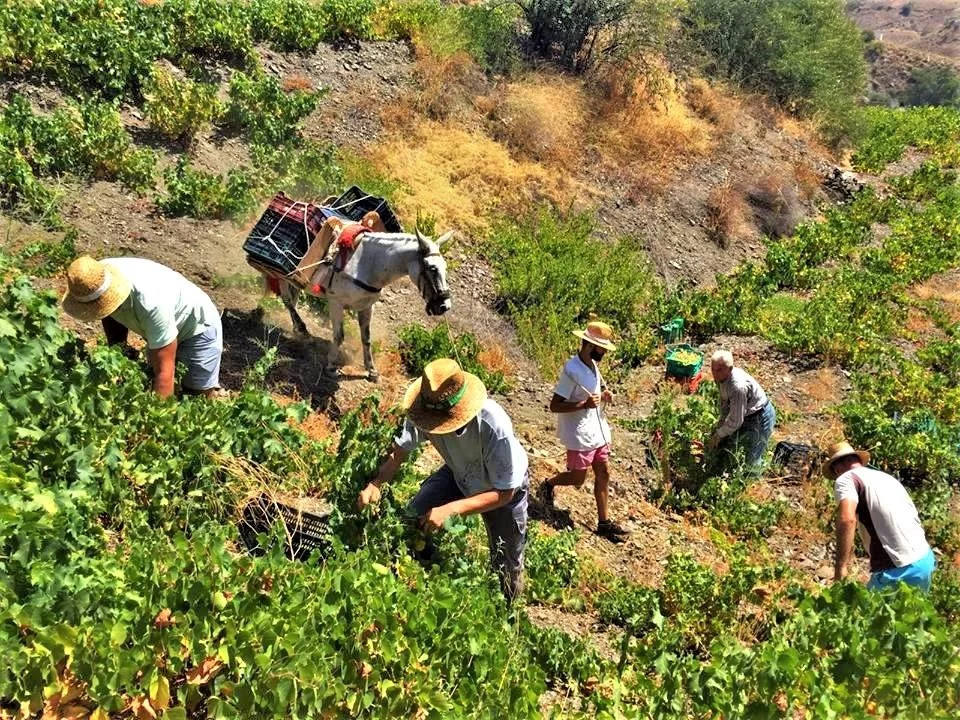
94 289
444 398
597 333
841 450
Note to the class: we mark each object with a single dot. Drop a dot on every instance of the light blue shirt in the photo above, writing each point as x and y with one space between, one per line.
483 455
163 305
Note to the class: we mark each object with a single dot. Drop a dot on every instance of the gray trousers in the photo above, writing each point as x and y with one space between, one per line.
506 526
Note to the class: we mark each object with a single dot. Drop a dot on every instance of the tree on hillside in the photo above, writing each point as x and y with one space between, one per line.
806 53
580 34
933 86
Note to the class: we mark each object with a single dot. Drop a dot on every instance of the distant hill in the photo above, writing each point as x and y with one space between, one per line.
931 26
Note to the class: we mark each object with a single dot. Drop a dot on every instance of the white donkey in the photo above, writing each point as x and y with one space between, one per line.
379 259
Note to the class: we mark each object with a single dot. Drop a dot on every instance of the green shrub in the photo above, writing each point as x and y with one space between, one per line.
419 346
204 195
806 53
179 109
288 24
347 18
311 171
632 607
85 139
933 86
266 114
551 563
935 130
567 31
552 278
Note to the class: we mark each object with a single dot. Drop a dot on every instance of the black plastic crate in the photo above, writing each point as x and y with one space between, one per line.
355 203
306 529
283 233
798 461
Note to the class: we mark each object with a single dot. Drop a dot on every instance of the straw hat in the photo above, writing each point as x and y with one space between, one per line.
841 450
94 289
444 398
597 333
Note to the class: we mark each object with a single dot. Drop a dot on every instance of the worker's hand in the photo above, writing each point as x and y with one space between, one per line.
606 396
592 401
435 518
370 494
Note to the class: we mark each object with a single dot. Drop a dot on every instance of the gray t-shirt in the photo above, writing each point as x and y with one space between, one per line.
163 305
483 455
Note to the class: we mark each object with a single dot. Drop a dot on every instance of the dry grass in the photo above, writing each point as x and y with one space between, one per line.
727 213
495 359
293 83
541 118
944 289
822 386
716 106
648 136
317 426
808 180
446 85
460 176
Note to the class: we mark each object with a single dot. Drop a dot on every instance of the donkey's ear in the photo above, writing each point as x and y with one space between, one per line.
423 241
445 239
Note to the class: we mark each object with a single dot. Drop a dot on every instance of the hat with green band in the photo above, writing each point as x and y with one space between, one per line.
444 398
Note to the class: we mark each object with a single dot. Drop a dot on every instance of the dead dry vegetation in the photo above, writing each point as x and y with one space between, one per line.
464 146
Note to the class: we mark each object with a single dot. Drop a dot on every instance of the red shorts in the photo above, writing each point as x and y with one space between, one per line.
583 459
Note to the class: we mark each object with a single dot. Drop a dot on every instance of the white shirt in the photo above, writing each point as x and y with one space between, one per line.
585 429
740 395
883 503
163 305
483 455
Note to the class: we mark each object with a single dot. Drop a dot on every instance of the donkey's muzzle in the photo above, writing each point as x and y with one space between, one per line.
439 306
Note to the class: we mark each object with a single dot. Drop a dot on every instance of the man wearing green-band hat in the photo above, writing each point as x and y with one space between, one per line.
485 467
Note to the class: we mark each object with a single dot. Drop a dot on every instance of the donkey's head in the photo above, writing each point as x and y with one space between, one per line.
429 273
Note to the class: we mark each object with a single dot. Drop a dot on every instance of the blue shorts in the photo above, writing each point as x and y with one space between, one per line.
917 573
201 354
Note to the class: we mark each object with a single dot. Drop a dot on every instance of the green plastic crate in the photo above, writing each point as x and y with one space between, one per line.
672 331
675 368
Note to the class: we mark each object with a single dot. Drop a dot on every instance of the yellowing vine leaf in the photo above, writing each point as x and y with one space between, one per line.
160 692
204 672
142 709
164 619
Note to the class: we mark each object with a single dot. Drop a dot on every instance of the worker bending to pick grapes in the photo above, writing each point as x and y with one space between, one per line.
890 525
581 426
177 319
747 416
485 467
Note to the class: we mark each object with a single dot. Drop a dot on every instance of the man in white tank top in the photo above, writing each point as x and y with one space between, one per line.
889 523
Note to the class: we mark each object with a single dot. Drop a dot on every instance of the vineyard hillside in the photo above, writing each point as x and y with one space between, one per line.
650 161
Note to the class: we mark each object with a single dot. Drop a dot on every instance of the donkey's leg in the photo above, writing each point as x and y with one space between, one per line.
290 293
336 322
364 317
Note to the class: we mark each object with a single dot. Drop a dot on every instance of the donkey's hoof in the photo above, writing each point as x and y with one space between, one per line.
373 376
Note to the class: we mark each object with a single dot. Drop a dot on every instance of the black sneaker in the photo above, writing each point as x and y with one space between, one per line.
611 531
546 493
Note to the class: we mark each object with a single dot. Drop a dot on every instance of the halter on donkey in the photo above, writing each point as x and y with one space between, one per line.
379 259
